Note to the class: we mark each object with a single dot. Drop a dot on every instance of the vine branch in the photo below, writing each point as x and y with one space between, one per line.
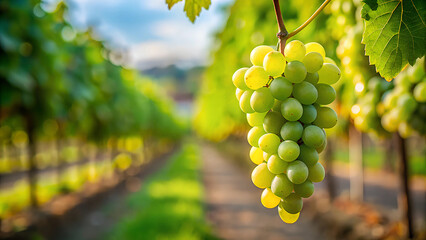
283 34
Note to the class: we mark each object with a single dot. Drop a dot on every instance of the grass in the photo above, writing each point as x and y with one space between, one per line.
169 205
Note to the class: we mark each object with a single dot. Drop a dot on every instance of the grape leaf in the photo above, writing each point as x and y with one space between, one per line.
394 34
192 7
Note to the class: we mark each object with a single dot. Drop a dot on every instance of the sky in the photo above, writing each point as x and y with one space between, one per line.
152 35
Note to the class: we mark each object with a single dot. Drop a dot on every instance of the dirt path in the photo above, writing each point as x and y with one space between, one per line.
234 208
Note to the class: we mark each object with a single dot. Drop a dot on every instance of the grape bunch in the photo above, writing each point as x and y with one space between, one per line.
284 99
403 108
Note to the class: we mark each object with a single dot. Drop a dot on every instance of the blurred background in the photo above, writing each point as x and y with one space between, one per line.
119 120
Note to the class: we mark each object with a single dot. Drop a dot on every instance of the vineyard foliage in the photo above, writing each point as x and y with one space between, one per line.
52 74
339 28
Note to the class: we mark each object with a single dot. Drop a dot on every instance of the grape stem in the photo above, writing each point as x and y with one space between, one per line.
283 34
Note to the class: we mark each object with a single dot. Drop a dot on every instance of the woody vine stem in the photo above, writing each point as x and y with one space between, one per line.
283 35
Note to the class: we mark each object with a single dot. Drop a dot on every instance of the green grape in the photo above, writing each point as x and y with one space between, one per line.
281 186
256 77
322 147
308 155
419 92
294 50
305 93
245 102
268 198
291 109
326 94
288 150
305 189
261 176
313 136
297 172
329 60
255 119
326 117
273 122
276 165
266 156
269 143
309 114
328 74
312 78
316 173
277 106
295 72
254 135
291 131
407 103
274 64
238 93
238 79
281 88
261 100
313 62
315 47
292 203
256 155
258 54
405 130
287 217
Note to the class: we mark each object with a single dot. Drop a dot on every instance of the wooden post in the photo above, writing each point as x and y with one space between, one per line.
404 196
356 165
328 157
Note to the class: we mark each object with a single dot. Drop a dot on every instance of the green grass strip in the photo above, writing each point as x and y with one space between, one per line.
170 203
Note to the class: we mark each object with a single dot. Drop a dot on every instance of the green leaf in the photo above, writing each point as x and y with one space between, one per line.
192 7
394 34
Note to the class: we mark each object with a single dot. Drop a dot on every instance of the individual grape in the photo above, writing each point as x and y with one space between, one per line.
238 93
407 103
274 63
316 173
281 186
295 72
326 117
291 131
328 74
238 79
405 130
288 150
256 155
261 176
315 47
309 114
277 106
291 109
312 78
266 156
256 77
287 217
255 119
273 122
313 62
258 54
268 199
329 60
269 143
254 135
308 155
326 94
245 102
420 92
305 93
305 189
276 165
297 172
292 203
313 136
261 100
281 88
322 147
294 51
